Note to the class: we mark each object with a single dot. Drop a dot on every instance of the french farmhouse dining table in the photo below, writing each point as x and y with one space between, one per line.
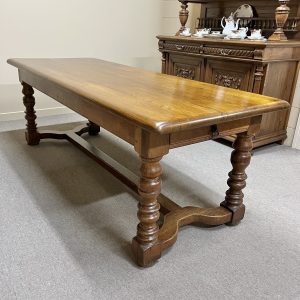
155 113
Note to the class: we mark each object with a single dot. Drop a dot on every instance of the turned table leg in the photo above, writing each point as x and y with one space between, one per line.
94 129
31 134
148 213
240 160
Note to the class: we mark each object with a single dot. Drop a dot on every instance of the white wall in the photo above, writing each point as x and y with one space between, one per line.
170 19
294 115
121 31
294 127
296 141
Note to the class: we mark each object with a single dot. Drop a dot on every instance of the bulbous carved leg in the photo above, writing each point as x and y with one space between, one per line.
31 134
240 160
148 213
94 129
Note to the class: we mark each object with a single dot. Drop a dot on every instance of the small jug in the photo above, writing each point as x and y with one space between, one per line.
256 34
243 32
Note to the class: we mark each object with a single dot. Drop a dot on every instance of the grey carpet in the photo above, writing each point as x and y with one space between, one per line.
66 224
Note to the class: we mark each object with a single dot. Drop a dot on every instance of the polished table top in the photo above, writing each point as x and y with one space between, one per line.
158 102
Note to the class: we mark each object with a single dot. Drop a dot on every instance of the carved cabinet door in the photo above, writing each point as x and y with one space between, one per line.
185 66
230 74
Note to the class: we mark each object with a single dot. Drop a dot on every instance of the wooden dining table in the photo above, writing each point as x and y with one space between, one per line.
155 113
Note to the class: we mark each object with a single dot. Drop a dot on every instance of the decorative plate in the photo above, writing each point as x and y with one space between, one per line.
244 11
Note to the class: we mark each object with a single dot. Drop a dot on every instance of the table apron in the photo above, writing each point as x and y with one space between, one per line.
196 135
115 124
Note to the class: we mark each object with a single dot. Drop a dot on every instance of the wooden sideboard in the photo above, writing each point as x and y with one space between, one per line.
267 68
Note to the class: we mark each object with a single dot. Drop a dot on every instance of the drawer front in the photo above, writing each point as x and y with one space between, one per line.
229 52
210 50
230 74
185 67
180 47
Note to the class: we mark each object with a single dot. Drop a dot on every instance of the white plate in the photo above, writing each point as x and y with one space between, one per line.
256 39
198 36
244 11
187 35
262 39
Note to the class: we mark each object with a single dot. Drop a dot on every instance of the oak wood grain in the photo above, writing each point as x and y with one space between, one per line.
154 101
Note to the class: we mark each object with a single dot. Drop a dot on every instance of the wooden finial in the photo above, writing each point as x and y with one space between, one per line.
183 16
281 16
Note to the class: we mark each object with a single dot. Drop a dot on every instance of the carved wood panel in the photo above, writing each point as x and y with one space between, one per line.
230 74
185 67
232 80
185 71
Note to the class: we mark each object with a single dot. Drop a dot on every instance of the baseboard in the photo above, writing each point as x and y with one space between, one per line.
42 112
296 141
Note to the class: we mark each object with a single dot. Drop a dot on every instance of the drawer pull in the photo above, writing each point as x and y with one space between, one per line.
179 47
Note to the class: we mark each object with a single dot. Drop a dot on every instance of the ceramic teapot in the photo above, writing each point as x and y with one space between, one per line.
230 24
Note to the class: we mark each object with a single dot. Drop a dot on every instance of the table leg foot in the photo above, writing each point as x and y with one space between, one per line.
32 135
145 255
240 159
93 128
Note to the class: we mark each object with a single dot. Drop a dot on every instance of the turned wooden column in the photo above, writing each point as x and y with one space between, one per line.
164 63
148 212
281 16
183 16
258 78
94 129
240 159
31 134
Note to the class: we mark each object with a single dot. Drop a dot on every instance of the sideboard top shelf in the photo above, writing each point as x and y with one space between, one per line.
278 19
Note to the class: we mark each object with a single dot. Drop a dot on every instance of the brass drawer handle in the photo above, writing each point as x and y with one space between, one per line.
179 47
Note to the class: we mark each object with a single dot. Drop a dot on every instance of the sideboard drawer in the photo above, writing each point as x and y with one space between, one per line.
205 49
180 47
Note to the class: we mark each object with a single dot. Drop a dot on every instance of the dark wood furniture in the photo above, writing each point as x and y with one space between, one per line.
154 113
268 68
